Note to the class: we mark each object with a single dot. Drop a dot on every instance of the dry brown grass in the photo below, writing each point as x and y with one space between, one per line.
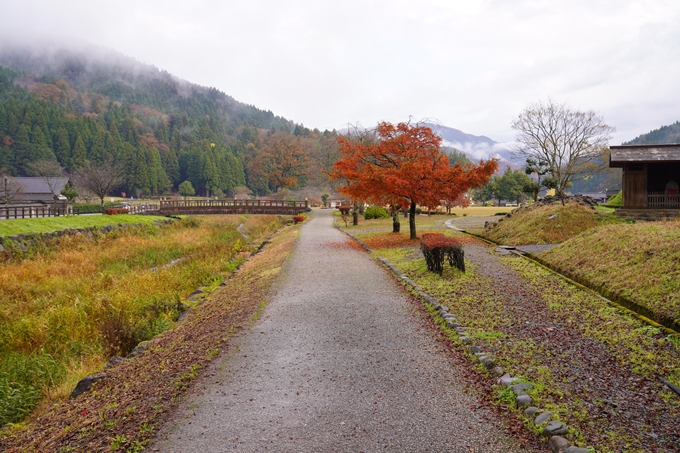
125 408
67 310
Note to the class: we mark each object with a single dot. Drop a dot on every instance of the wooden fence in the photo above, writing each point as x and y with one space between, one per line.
27 212
233 207
143 208
664 199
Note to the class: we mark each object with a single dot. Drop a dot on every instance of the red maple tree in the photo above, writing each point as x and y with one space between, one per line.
404 167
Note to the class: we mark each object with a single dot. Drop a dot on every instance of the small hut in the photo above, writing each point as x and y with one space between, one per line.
651 174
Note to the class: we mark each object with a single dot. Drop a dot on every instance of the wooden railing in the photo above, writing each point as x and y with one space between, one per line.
143 208
233 207
663 200
27 212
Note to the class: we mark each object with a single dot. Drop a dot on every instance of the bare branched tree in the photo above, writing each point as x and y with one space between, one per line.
49 170
569 141
100 178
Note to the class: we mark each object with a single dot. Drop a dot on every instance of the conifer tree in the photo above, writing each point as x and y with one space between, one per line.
63 147
78 155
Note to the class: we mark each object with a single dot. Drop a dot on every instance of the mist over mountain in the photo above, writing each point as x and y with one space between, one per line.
78 102
122 79
476 147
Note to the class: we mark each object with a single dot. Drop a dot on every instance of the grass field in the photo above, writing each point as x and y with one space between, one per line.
13 227
68 309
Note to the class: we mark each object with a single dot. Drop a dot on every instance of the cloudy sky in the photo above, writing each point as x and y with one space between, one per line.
471 65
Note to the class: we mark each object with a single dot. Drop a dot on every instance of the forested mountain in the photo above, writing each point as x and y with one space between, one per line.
662 136
95 104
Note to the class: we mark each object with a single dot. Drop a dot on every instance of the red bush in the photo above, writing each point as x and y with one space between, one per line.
297 219
344 209
437 248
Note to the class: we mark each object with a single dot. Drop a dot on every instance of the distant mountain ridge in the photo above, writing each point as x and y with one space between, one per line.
665 135
476 147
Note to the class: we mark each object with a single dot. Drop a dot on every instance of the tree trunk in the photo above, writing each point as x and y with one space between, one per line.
355 218
102 200
412 220
396 226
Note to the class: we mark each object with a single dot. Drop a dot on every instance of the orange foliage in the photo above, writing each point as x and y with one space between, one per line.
281 159
404 167
149 140
47 92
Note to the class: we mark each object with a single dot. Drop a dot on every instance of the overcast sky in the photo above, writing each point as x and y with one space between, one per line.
471 65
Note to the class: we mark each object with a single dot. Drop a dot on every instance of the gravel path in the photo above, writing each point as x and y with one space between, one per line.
339 361
624 408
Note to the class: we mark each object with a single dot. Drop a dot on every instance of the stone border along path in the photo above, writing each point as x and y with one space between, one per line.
339 361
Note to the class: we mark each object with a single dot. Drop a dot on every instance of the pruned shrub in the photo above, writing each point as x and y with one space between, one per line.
438 248
376 212
298 219
344 209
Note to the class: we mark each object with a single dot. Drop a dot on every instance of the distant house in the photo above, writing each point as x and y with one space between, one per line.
32 189
651 174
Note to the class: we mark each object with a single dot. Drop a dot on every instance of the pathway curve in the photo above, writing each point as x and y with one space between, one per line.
339 361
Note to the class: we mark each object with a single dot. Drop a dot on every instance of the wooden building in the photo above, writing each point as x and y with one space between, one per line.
32 189
651 175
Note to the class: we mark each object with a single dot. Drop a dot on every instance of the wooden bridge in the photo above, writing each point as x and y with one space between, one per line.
233 207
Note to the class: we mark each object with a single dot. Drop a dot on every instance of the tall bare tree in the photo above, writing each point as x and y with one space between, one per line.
49 170
100 178
571 142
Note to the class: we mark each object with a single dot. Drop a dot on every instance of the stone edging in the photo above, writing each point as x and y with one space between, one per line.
552 429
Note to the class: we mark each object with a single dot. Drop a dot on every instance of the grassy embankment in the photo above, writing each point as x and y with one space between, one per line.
639 262
532 225
68 308
487 306
633 263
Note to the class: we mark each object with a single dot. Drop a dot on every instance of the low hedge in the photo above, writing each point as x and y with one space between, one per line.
376 212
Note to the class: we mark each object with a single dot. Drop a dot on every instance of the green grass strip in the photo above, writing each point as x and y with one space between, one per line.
12 227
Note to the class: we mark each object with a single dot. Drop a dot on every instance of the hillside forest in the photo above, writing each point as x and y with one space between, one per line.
162 130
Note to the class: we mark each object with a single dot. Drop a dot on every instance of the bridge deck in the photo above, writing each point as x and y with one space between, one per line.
232 207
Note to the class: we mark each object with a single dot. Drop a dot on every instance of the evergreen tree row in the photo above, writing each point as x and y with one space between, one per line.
161 137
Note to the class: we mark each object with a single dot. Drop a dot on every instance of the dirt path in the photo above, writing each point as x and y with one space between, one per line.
339 361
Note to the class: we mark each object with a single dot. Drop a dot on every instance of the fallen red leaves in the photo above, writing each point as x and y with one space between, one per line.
390 240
